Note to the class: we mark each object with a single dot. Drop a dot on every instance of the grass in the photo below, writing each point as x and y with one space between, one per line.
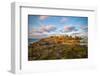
57 51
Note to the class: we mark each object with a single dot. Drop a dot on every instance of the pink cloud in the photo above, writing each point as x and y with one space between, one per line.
69 28
43 29
41 32
43 17
63 20
47 28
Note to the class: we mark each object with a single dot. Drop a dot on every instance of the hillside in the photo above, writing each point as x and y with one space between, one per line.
57 47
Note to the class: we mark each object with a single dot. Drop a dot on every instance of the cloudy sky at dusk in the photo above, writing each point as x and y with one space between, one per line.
44 26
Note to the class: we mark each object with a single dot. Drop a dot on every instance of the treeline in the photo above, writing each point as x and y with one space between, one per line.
67 37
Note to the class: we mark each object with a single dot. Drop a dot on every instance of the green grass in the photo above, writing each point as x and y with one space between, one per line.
57 51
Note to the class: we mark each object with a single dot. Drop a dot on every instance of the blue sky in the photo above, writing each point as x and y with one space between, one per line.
41 26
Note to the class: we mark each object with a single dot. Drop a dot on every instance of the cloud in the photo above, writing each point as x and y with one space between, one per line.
84 28
43 17
63 20
82 34
69 28
37 35
42 31
43 28
47 28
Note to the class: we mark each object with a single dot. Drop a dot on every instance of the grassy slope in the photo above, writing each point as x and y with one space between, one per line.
57 48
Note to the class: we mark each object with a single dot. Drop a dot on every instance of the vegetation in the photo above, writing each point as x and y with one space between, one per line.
57 47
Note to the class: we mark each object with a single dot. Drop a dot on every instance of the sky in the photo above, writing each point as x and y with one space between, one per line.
41 26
